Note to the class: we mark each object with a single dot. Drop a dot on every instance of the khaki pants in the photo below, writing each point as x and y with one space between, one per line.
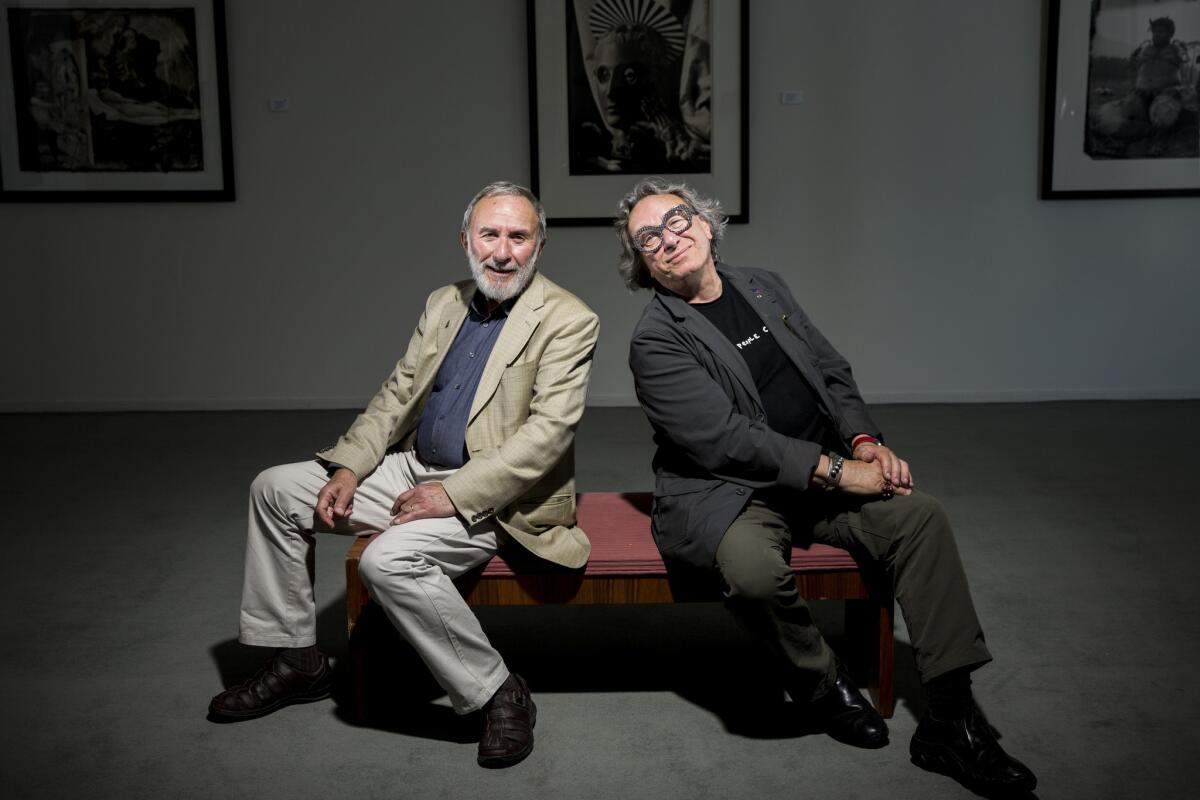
908 535
409 570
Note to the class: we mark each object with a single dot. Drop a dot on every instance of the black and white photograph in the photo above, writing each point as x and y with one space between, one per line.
1142 79
625 88
113 98
1122 111
640 95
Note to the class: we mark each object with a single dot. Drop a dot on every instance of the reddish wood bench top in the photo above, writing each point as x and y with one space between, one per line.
625 567
618 525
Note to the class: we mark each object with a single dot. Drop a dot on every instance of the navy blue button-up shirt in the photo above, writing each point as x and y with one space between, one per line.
442 431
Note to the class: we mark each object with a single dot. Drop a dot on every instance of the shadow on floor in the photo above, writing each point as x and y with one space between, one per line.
693 650
236 662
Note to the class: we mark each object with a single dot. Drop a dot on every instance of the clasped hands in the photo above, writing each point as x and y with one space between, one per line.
874 470
335 501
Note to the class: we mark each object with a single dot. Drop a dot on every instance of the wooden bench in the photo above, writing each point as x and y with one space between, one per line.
625 568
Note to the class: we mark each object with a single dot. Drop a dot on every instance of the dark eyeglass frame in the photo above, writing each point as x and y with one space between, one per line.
688 213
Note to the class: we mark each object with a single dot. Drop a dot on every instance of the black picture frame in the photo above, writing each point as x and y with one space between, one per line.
1099 137
564 172
114 101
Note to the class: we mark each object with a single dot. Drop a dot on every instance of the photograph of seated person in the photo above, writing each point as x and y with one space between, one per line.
1143 104
1156 65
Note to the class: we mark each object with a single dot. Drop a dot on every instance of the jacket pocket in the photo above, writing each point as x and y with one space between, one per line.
674 500
536 514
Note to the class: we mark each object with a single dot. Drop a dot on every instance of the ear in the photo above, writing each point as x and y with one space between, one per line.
462 239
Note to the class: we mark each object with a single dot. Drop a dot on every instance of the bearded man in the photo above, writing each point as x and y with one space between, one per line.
469 444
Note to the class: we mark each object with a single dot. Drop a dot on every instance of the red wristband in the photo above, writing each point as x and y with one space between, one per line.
862 438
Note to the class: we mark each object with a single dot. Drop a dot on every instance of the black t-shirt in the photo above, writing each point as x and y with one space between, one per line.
791 404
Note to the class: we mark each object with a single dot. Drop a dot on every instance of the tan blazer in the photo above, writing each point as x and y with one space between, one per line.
521 429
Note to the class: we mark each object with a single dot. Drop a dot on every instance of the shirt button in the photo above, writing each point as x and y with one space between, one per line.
457 385
485 324
441 416
470 355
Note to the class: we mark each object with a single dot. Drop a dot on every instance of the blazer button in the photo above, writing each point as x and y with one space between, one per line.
741 491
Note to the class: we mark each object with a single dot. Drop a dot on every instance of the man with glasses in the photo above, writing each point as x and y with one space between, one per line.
764 442
468 445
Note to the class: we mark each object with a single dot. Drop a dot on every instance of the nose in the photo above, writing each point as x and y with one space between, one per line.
503 252
670 239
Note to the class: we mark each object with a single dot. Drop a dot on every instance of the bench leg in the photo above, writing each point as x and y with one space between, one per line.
869 626
357 599
359 658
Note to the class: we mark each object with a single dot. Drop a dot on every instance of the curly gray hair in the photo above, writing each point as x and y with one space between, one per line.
633 270
499 188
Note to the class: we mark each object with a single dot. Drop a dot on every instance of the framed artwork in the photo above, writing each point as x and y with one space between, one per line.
1121 117
105 101
622 89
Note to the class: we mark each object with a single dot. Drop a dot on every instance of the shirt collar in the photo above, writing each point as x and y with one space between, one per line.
479 303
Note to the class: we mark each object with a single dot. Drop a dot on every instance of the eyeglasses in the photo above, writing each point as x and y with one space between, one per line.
677 220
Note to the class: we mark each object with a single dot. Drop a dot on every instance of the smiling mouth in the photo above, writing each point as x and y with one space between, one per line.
674 257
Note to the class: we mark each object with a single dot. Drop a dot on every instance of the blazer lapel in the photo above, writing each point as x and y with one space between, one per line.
451 317
441 328
763 301
523 320
718 344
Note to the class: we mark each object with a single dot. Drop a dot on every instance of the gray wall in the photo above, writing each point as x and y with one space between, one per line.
900 201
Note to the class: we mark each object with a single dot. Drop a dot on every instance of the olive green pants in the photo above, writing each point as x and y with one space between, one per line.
907 536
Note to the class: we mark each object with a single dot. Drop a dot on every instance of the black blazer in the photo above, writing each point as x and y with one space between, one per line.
714 446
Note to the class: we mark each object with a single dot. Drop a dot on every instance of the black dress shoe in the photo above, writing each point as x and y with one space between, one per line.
274 686
966 749
848 717
508 720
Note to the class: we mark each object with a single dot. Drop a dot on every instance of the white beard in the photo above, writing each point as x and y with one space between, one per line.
499 292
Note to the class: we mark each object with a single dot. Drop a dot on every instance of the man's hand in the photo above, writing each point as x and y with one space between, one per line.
863 478
867 478
335 501
895 469
423 501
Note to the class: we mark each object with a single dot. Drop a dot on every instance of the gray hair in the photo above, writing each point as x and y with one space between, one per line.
633 271
501 188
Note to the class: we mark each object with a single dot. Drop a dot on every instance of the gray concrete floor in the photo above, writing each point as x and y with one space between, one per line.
123 573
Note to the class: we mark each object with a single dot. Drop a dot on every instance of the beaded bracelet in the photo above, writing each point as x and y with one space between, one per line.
834 475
